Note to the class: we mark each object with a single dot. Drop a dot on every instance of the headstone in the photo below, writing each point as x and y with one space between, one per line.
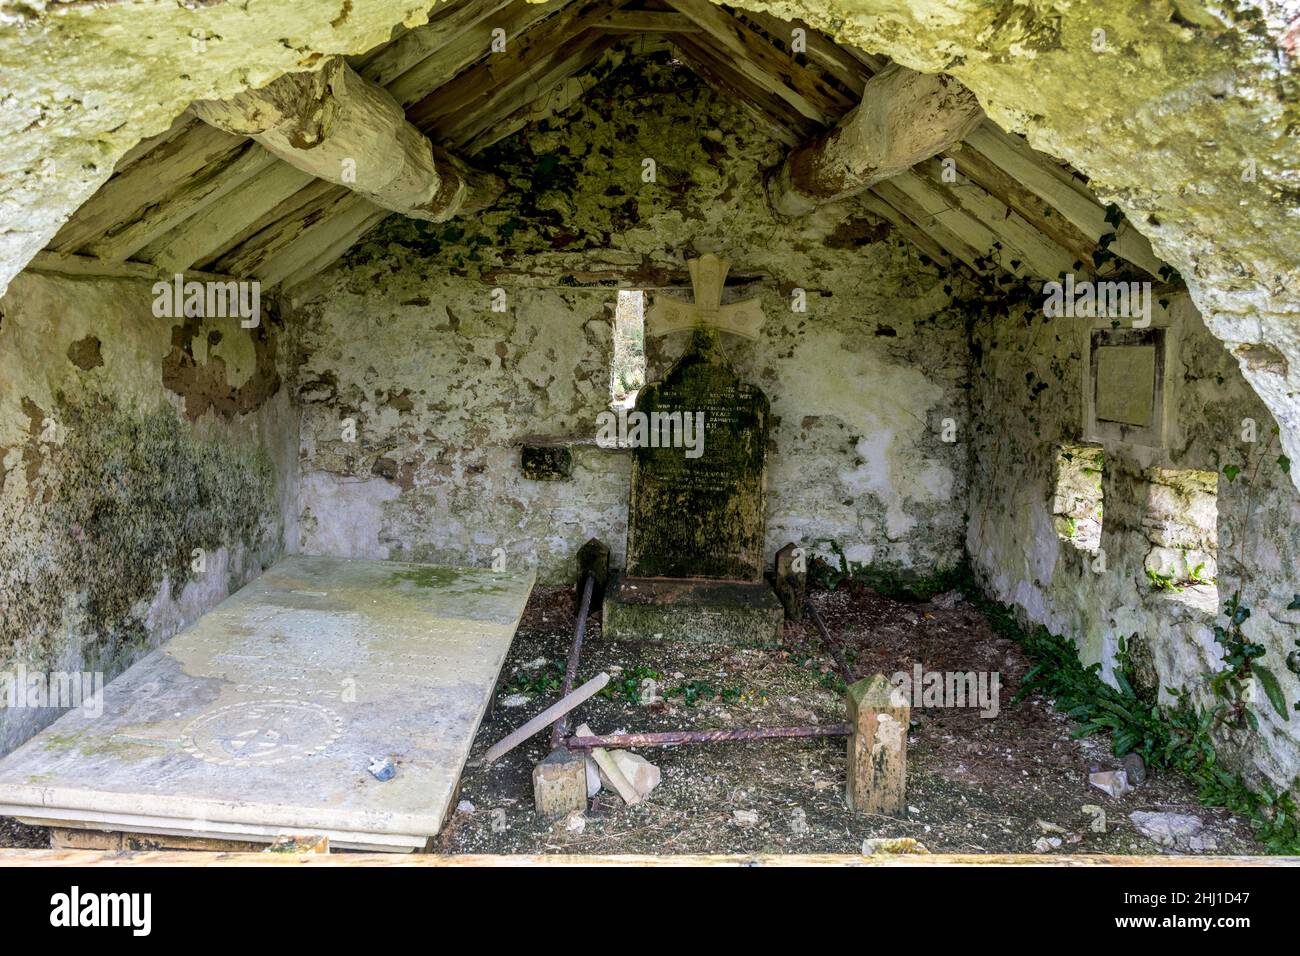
701 517
697 508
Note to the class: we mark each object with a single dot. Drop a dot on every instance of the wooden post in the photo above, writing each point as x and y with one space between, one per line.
879 714
790 579
560 783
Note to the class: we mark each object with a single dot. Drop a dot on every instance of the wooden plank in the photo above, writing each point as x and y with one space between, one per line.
88 267
965 245
565 60
821 50
281 226
547 717
647 21
179 127
470 47
219 226
67 838
1019 240
74 858
970 163
786 123
449 21
125 196
922 241
1042 176
206 186
769 67
500 83
320 244
555 100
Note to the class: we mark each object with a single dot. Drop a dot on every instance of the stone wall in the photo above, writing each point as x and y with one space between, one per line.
126 443
401 339
1167 510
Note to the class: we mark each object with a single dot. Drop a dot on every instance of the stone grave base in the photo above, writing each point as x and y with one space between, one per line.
695 610
330 697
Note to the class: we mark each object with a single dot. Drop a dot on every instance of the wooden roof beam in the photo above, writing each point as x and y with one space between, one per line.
344 129
904 117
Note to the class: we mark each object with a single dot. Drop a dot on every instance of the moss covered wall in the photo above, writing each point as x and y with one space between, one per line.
127 442
1028 401
401 338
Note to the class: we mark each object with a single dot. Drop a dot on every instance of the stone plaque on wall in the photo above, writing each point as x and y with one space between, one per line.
699 513
1126 386
1126 378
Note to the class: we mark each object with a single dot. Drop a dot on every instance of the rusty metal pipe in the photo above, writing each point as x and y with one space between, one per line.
831 644
677 738
561 727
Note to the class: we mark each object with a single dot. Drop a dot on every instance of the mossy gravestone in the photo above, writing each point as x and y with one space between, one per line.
701 517
697 508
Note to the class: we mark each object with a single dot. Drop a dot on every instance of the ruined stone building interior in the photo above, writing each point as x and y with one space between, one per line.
973 331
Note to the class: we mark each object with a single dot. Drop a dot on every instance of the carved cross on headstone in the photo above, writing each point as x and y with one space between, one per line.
708 274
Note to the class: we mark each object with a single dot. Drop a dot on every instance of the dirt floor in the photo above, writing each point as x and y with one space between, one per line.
1014 783
975 784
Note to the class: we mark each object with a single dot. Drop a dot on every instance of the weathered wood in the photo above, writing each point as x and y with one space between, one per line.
924 222
560 784
922 240
68 838
821 50
779 118
501 83
448 22
75 858
344 129
756 58
209 184
1042 176
472 46
1017 239
88 267
647 21
879 714
546 718
550 101
219 226
139 185
904 118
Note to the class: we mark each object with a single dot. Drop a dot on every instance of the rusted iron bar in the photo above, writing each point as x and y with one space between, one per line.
831 644
676 738
561 727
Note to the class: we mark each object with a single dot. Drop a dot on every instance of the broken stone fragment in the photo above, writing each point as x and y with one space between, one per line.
1096 817
1046 844
1180 832
745 818
382 769
1111 782
898 845
593 778
641 773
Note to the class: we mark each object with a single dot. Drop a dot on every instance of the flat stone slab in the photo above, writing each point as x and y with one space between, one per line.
263 717
697 610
